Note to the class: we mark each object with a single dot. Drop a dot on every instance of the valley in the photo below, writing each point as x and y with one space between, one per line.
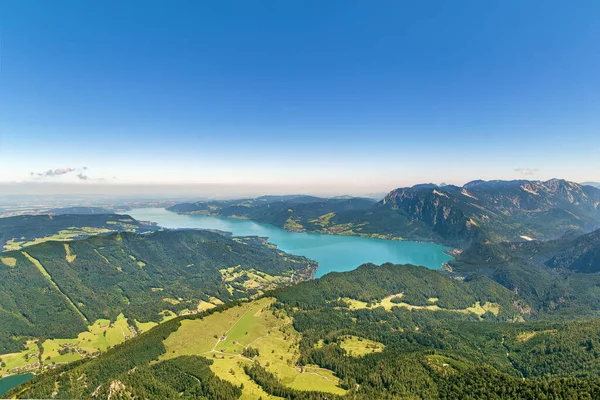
230 305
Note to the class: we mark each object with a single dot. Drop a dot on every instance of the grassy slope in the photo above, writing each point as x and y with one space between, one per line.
250 325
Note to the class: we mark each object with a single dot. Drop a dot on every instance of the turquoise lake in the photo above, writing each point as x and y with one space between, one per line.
332 252
11 381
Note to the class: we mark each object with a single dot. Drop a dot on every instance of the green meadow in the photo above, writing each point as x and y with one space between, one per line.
251 332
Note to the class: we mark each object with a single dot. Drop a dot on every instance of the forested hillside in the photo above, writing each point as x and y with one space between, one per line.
557 276
56 289
348 336
581 254
26 230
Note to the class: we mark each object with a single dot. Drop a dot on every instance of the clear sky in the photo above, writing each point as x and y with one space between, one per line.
363 95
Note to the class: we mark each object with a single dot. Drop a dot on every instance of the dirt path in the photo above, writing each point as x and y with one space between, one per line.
230 328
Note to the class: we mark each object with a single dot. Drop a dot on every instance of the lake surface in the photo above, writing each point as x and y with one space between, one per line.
11 381
332 252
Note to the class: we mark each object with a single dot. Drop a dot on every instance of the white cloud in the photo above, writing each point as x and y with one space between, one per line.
56 175
55 172
527 171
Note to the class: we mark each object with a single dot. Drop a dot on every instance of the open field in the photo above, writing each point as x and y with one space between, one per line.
223 337
62 235
99 337
240 279
356 346
9 261
387 304
323 220
69 256
103 335
25 360
292 225
205 305
146 326
526 336
479 309
60 351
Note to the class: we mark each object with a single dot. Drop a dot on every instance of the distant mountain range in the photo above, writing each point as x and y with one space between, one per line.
79 210
501 210
456 215
594 184
26 230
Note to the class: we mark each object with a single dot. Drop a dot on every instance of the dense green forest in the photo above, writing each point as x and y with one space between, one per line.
558 277
56 289
443 352
548 354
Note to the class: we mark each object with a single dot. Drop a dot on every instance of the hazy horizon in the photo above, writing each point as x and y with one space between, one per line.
208 191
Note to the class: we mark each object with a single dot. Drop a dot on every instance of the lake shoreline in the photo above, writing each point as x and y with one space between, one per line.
17 374
333 252
362 235
7 385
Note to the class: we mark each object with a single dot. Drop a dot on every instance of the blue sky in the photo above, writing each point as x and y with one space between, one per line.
361 94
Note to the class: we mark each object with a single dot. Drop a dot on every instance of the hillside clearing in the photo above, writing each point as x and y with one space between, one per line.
388 304
22 361
69 256
9 261
357 346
